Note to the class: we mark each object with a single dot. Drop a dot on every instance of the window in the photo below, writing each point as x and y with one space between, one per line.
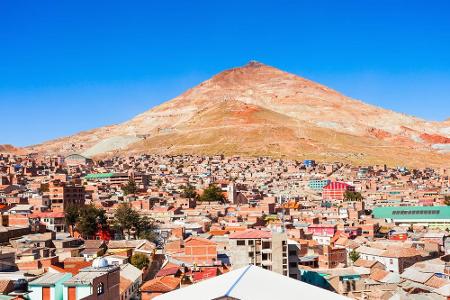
100 288
240 242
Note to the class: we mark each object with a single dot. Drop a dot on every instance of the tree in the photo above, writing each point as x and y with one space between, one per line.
353 255
147 229
212 194
71 215
189 192
159 182
90 220
126 218
44 188
130 187
140 260
447 200
352 196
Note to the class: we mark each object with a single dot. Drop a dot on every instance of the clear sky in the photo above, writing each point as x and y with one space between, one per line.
67 66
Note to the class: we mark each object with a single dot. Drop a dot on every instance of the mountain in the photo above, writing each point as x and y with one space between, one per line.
10 149
260 110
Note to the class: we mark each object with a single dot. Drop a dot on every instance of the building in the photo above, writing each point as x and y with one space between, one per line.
427 216
264 249
53 221
395 259
322 233
99 282
62 194
200 251
48 287
119 179
318 184
130 281
330 257
250 282
309 163
336 190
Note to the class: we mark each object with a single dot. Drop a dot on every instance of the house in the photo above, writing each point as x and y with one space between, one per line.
159 286
130 281
93 249
48 286
99 282
199 251
53 221
396 259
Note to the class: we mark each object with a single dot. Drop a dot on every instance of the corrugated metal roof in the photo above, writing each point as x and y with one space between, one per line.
412 212
99 175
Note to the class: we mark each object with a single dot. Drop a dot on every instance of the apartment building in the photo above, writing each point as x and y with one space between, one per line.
264 249
62 194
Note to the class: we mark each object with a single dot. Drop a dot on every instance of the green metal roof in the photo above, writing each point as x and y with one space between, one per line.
412 212
98 176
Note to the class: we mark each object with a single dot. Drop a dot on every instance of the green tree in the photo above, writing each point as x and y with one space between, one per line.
353 255
130 187
140 260
71 215
90 219
147 229
189 192
447 200
212 194
352 196
126 218
159 182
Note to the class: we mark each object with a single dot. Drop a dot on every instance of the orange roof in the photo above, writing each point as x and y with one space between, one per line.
199 240
124 284
251 234
436 282
378 274
47 215
161 285
401 252
218 232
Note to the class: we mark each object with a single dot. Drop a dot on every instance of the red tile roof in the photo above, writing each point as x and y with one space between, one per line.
161 285
251 234
204 274
167 271
47 215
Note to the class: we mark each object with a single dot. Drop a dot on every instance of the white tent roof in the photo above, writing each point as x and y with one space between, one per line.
250 283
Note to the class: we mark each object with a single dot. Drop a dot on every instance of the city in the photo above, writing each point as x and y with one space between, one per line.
225 150
146 226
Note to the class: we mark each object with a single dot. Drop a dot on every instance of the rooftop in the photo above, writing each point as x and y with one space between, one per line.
250 282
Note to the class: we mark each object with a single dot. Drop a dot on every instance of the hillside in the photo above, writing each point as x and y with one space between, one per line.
260 110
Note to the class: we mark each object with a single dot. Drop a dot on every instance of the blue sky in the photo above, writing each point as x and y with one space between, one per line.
67 66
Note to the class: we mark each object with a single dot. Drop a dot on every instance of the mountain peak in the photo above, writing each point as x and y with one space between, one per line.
254 64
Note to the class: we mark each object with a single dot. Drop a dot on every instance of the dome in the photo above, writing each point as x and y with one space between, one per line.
100 263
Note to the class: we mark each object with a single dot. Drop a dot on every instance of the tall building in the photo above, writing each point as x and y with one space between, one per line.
264 249
63 194
232 193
